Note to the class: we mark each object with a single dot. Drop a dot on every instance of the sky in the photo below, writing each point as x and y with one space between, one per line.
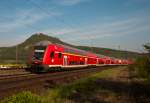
116 24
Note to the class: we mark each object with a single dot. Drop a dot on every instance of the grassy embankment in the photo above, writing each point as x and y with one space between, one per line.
83 90
116 85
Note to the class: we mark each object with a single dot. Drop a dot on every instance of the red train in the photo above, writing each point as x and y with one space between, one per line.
47 56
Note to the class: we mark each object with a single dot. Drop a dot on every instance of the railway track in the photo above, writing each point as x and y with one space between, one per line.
11 76
36 83
13 73
9 69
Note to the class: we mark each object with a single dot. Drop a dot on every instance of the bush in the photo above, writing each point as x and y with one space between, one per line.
23 97
142 66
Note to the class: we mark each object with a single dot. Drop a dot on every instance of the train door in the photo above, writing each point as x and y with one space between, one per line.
65 61
97 61
60 59
85 61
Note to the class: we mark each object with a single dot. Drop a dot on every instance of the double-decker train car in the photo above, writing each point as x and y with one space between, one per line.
48 56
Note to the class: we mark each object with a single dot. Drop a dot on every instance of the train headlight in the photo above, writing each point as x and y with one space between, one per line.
119 61
52 60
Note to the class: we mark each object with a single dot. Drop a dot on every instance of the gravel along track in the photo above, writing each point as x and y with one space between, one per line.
39 82
12 68
13 73
14 76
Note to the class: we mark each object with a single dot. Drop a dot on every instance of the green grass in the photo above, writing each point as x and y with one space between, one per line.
107 73
23 97
82 90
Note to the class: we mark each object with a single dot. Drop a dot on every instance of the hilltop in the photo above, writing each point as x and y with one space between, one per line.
8 54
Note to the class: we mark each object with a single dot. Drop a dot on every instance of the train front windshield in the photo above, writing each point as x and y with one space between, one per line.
38 53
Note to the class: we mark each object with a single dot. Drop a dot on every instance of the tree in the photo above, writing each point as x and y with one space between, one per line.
147 47
143 64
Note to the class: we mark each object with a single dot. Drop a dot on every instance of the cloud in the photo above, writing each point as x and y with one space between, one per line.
24 18
58 31
69 2
112 29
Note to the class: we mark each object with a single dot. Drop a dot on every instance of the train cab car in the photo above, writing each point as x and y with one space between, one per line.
45 55
116 61
92 59
112 61
48 56
107 60
74 57
120 61
100 61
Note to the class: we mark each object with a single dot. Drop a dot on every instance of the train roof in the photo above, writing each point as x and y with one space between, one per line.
101 56
66 48
76 51
72 50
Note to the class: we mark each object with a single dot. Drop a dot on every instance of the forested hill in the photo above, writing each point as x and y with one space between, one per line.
8 54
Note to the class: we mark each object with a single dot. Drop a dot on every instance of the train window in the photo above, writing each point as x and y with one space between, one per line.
59 55
52 54
71 62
